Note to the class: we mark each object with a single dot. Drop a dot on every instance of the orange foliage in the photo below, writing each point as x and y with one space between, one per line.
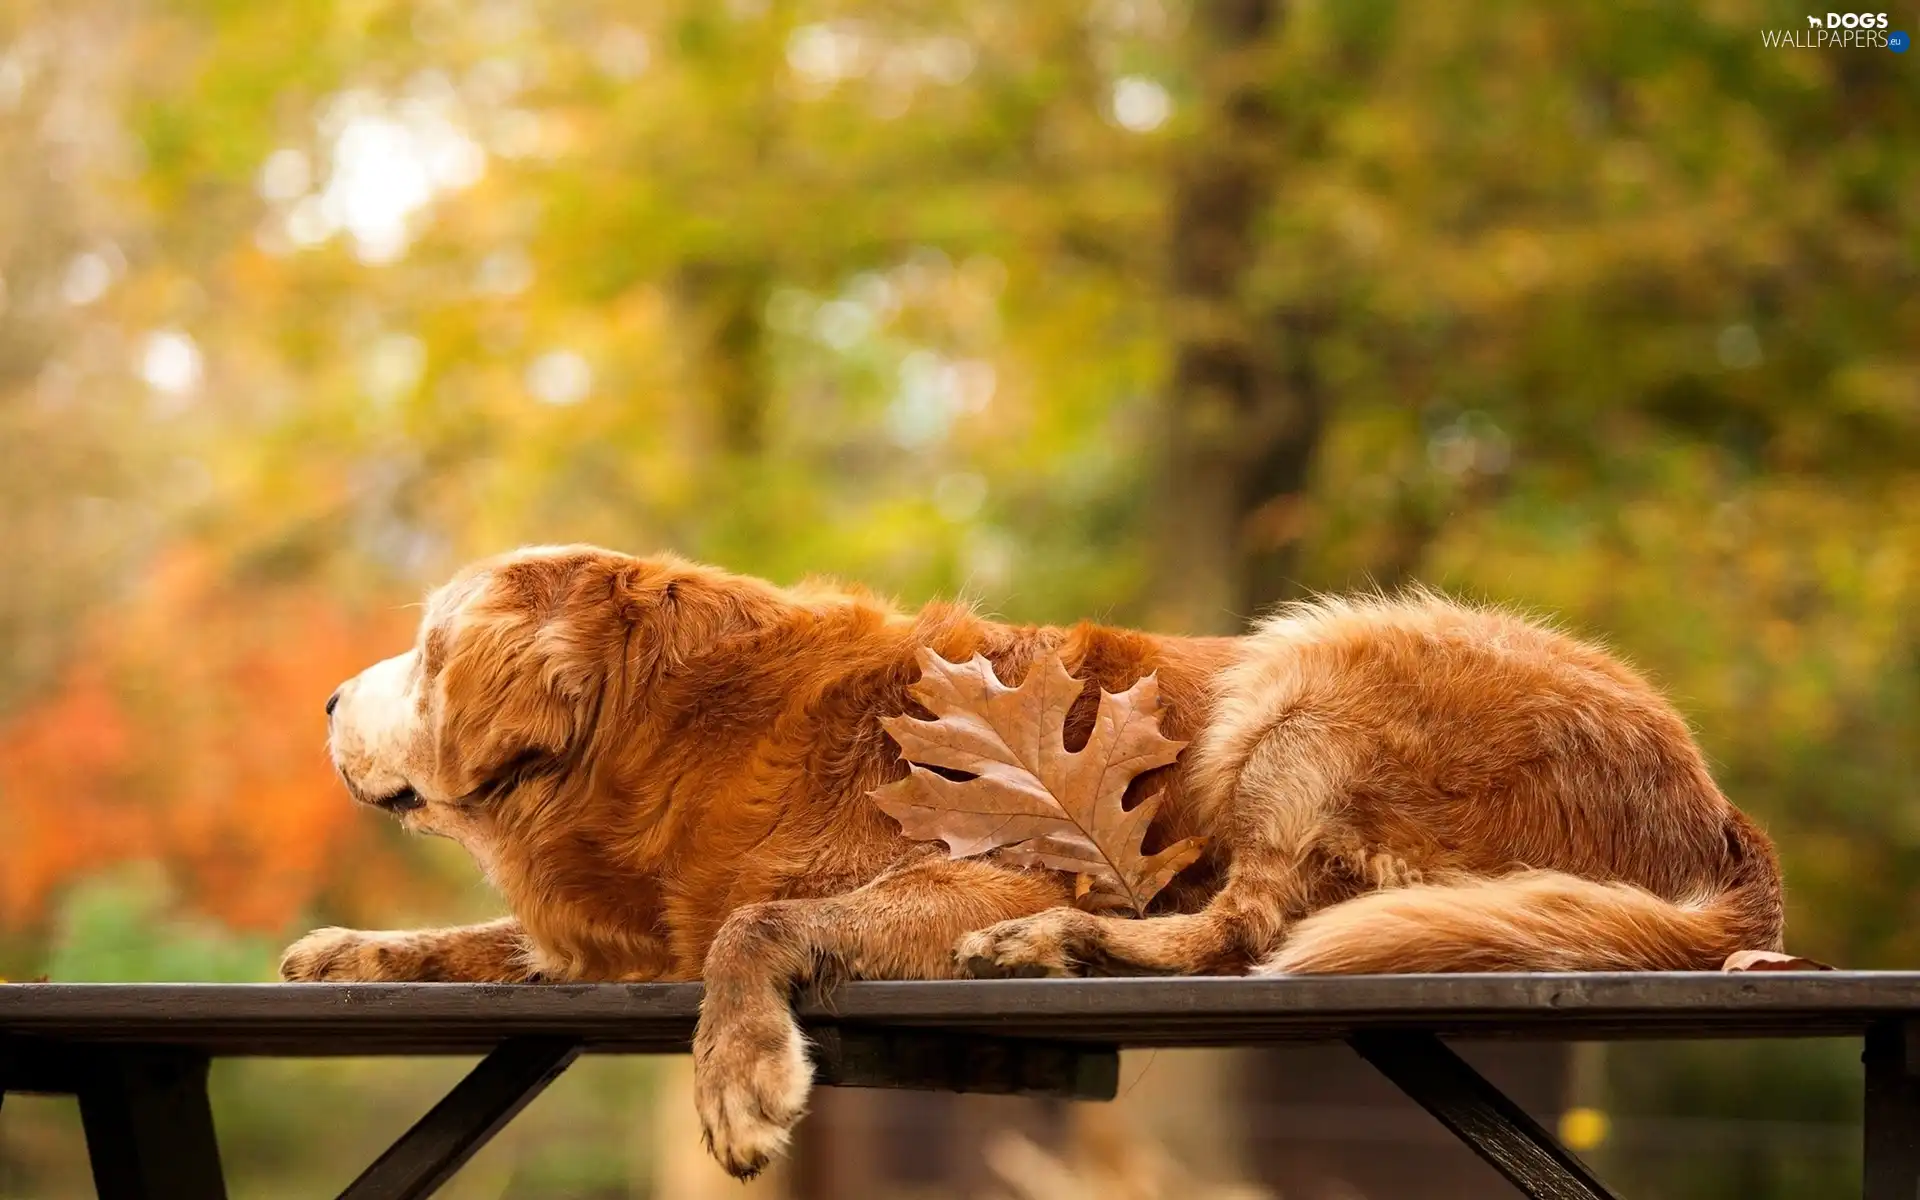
188 728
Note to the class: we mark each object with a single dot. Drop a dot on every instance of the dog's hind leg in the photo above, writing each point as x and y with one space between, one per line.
751 1074
1286 853
1240 926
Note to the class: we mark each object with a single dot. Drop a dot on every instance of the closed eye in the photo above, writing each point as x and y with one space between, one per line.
404 800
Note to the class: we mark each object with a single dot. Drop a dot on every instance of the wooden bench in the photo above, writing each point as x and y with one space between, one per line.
137 1055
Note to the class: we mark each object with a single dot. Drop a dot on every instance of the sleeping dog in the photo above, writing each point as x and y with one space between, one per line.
665 770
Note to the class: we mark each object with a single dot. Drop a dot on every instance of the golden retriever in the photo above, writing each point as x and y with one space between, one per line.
665 769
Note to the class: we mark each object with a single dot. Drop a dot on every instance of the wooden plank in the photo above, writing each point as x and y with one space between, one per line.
479 1106
149 1126
1479 1114
378 1019
1891 1123
885 1058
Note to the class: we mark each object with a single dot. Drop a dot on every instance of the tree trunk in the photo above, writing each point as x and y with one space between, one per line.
1244 412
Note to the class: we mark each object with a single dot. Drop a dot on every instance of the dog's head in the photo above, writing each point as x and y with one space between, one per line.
520 663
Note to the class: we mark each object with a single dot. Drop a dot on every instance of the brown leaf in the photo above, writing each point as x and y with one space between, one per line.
1029 797
1768 960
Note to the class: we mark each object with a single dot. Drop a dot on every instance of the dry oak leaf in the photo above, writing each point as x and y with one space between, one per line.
1029 797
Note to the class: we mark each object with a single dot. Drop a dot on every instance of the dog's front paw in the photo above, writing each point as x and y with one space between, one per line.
750 1082
1035 947
344 956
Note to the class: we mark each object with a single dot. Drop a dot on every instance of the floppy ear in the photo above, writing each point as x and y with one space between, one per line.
680 611
529 661
523 674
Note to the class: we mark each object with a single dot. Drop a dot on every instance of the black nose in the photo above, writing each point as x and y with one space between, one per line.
333 702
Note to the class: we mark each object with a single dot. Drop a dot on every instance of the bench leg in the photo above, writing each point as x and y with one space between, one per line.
1891 1126
478 1107
1479 1114
149 1126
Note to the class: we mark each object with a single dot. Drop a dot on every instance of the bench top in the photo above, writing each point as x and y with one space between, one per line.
310 1020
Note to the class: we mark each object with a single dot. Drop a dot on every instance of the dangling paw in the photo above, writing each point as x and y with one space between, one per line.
751 1077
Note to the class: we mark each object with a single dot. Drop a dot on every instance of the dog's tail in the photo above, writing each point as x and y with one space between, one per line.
1543 921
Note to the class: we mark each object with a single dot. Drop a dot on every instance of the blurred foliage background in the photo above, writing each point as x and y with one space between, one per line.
1152 310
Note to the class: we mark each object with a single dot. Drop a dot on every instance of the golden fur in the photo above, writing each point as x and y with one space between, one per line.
665 771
